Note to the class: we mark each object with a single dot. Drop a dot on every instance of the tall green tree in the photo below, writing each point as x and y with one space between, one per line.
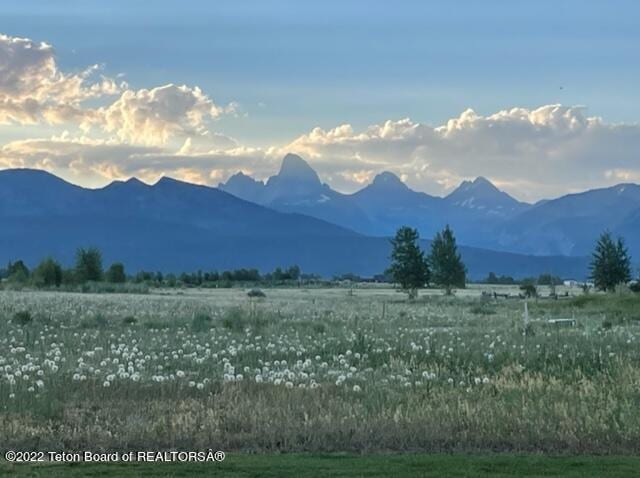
409 267
610 263
88 265
447 268
115 273
47 274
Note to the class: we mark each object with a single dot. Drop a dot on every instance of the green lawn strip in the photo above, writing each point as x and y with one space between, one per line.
348 465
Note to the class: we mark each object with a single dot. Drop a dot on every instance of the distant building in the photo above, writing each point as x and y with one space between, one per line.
571 283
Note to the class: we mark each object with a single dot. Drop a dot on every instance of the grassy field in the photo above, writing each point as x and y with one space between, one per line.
370 466
320 370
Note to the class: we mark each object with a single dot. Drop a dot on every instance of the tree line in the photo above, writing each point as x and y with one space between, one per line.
543 279
88 268
49 272
411 268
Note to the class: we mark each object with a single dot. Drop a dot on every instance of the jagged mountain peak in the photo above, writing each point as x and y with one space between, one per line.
479 183
482 195
244 187
388 180
482 181
239 175
294 167
240 179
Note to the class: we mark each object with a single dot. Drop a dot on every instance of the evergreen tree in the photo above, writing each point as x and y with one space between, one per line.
447 269
408 267
17 271
610 263
88 265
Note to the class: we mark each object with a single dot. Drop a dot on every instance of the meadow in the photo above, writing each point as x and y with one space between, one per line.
319 370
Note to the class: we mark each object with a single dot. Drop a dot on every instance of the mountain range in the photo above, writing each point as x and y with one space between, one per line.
175 226
480 214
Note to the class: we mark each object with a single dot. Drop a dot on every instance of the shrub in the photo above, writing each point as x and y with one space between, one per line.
529 289
23 318
256 293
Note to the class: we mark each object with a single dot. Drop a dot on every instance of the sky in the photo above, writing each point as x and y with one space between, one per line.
539 97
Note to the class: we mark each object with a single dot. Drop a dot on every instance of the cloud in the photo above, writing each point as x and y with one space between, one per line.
119 131
33 89
96 162
154 116
529 152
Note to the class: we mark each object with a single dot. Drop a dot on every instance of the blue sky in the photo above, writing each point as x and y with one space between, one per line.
320 63
291 66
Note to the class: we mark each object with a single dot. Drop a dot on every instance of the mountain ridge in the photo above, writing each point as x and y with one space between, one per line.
481 214
176 226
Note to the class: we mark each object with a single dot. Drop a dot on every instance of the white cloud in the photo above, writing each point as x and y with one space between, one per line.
551 149
33 89
536 153
96 162
531 153
156 115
